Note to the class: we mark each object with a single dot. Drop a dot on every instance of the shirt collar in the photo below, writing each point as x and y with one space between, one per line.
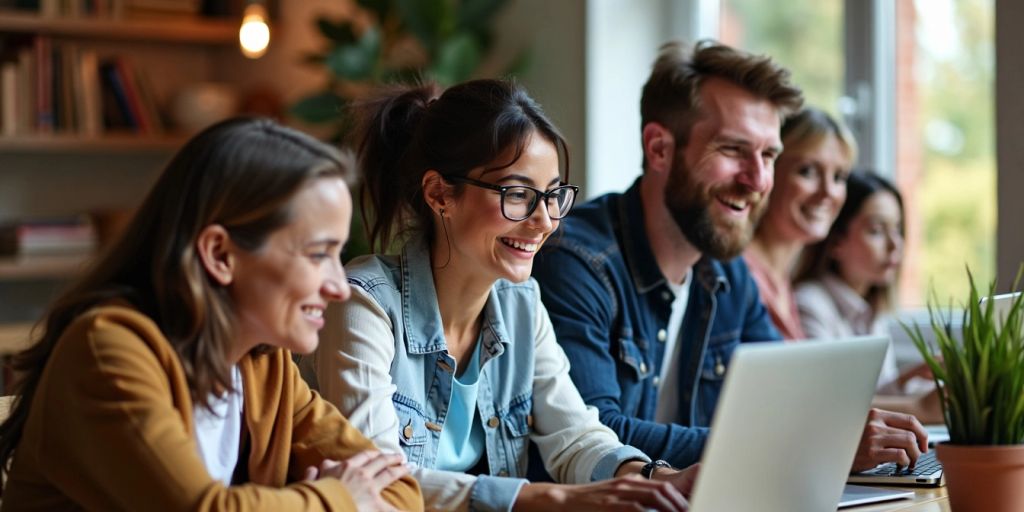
636 247
850 304
424 329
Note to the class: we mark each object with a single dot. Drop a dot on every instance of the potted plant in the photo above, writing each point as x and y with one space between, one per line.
979 372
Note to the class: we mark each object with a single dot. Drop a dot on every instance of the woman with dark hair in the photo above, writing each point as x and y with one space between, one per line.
846 281
162 380
810 186
447 353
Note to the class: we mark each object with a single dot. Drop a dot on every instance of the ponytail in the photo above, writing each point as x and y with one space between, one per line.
407 130
386 128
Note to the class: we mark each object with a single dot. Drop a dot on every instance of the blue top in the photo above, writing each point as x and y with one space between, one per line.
610 307
462 438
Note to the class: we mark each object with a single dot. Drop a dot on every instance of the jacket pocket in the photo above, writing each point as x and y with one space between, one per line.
633 359
412 431
518 423
712 377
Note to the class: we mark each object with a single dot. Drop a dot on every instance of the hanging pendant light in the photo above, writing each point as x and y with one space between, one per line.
254 35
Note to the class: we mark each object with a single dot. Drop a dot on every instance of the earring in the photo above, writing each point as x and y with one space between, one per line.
441 212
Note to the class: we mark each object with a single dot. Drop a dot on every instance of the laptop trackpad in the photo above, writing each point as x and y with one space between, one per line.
861 495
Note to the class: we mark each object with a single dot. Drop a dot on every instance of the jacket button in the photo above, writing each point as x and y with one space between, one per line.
719 369
493 422
657 380
667 296
407 431
662 335
643 367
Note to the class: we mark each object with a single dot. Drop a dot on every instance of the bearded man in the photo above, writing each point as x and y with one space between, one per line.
644 288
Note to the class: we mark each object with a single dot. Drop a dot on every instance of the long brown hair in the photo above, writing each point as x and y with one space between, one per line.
242 174
816 261
407 130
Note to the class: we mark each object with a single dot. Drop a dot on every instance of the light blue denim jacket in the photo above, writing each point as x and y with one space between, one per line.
388 370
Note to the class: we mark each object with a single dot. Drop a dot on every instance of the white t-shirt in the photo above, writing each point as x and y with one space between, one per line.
668 379
219 433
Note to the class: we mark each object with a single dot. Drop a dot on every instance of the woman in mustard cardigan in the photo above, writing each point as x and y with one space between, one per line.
162 380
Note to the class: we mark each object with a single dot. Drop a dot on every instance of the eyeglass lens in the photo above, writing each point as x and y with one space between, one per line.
519 202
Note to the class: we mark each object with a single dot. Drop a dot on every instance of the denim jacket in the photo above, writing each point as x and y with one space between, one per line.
390 373
610 307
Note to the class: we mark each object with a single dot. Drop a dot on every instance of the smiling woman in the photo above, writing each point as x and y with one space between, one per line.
445 352
162 379
809 190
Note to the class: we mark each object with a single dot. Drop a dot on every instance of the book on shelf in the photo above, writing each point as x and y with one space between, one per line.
73 235
59 87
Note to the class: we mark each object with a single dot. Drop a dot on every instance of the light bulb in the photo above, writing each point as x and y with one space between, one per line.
254 35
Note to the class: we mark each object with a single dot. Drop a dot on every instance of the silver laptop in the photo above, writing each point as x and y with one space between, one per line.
787 425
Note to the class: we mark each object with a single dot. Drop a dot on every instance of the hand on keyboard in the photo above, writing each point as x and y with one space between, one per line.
890 437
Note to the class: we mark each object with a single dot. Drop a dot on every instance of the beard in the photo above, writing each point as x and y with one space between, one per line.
691 207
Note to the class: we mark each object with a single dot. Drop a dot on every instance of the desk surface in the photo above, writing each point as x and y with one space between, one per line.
926 499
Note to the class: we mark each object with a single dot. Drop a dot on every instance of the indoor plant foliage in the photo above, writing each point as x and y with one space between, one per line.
398 41
979 372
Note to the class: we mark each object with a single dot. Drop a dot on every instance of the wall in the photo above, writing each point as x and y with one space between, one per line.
1009 134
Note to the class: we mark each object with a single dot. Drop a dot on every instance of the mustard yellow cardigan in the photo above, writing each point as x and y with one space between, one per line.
110 428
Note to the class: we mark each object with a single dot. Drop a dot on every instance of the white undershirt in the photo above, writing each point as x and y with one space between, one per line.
668 388
218 434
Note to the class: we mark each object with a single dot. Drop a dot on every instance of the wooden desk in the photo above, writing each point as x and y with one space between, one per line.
926 499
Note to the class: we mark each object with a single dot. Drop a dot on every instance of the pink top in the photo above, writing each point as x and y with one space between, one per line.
777 297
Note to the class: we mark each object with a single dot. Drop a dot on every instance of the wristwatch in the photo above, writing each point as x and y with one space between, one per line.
648 470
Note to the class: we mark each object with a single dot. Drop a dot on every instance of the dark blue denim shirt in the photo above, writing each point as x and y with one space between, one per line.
608 302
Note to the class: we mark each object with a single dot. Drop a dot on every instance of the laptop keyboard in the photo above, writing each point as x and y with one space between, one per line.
926 465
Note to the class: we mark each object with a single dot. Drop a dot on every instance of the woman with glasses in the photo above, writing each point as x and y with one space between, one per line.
445 352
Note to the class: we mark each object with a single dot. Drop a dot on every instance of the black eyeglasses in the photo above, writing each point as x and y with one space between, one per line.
518 202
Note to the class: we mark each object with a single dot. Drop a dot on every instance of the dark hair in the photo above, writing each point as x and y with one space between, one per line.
240 173
407 130
670 96
816 260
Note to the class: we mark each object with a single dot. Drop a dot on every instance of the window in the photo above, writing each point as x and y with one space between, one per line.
914 79
806 36
945 143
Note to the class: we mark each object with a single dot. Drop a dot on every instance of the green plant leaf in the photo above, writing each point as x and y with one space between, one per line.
981 374
319 108
340 33
457 58
430 20
356 62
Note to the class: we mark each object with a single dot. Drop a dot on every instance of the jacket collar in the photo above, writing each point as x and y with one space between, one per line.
636 247
424 330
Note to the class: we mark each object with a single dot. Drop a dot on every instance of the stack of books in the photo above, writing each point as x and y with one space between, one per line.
52 236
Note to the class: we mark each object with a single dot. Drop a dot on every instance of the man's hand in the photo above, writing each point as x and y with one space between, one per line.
890 437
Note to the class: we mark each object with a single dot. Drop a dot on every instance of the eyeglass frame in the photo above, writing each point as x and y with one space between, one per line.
542 195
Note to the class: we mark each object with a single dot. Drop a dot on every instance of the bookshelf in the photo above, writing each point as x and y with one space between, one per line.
106 143
155 57
73 170
60 266
184 30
